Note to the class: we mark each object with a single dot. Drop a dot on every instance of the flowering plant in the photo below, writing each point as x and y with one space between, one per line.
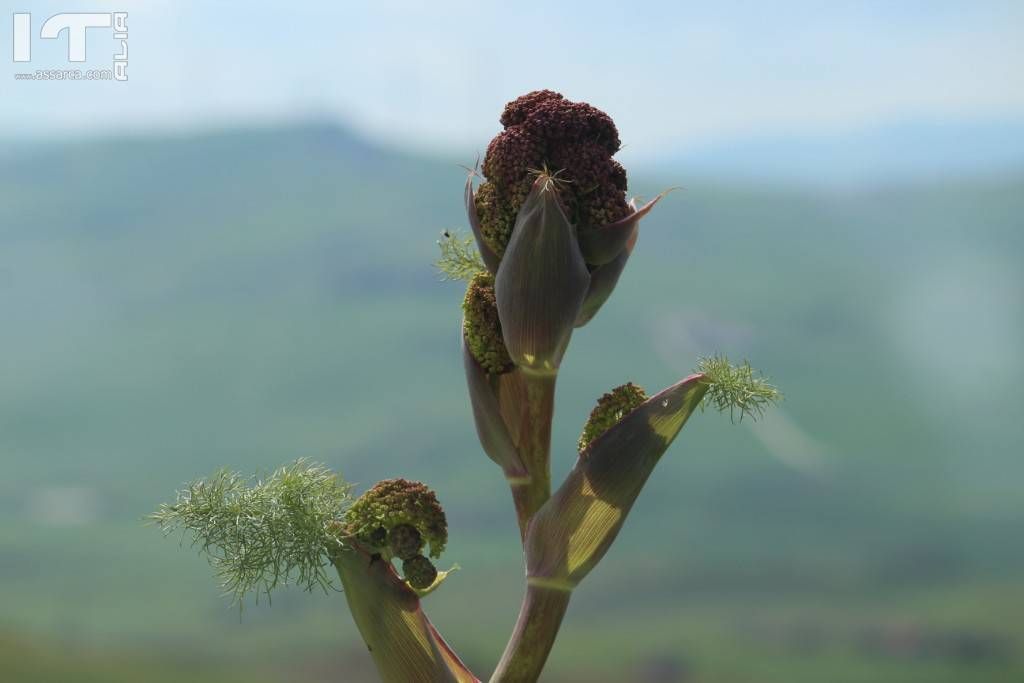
552 231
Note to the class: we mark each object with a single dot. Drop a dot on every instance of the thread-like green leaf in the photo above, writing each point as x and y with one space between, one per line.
738 389
460 259
262 533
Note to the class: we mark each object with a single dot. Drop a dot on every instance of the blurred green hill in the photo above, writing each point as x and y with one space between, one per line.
172 305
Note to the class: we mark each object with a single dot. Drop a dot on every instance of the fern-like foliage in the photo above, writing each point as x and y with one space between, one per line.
259 534
459 259
738 389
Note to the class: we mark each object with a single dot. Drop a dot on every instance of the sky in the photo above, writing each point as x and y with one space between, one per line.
434 75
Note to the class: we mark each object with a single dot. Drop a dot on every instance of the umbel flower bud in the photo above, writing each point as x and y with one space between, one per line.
404 541
611 408
543 130
482 327
552 222
401 516
393 504
419 572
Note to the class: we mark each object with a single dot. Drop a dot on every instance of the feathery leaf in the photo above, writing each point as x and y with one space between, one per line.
263 533
460 259
736 388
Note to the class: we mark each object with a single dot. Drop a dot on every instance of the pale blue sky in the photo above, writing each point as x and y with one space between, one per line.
435 74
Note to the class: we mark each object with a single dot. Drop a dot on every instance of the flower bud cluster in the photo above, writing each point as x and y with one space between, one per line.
574 141
401 517
419 572
611 408
482 327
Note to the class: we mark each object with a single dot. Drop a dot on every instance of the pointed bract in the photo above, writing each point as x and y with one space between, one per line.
490 426
490 259
541 282
603 280
604 244
402 641
574 529
442 576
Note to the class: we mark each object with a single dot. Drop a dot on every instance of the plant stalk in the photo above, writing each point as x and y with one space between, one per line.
536 628
535 411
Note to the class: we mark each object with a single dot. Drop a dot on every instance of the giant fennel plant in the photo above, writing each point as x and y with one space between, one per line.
552 231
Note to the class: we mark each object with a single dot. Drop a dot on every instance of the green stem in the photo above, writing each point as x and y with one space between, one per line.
535 413
543 607
534 635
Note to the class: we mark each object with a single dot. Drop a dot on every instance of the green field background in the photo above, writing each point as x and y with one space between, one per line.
172 305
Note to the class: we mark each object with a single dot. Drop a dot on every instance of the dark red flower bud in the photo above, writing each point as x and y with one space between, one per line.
419 572
405 541
573 141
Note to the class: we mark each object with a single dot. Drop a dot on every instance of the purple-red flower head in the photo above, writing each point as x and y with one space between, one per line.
573 141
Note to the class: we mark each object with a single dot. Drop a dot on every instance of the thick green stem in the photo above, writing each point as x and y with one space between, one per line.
534 635
535 411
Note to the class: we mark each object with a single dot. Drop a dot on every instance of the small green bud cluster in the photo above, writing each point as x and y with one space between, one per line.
611 408
482 327
419 572
399 516
404 541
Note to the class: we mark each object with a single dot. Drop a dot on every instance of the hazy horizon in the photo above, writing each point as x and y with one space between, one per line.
433 79
899 152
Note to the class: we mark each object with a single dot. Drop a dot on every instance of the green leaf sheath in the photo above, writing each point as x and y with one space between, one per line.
404 645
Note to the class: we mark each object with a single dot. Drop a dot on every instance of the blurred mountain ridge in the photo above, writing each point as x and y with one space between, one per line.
240 298
909 151
905 151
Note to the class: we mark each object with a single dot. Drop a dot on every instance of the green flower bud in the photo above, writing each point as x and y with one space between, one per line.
398 502
497 214
419 572
405 542
378 537
481 326
487 255
611 408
